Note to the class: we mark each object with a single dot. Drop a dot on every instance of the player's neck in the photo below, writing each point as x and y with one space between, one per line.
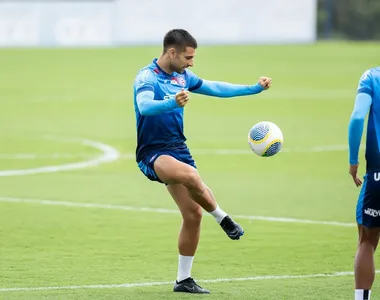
164 64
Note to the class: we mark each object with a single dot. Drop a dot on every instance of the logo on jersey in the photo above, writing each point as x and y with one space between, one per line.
181 81
178 81
168 96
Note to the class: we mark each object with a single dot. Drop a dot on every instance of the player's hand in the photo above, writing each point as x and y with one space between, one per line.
354 172
265 82
182 97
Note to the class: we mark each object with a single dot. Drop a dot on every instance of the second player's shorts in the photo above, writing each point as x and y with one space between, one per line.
368 205
181 153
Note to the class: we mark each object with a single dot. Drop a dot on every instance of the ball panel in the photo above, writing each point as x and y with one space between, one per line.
259 133
273 148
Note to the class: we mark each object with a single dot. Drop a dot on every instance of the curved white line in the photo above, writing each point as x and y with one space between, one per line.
109 154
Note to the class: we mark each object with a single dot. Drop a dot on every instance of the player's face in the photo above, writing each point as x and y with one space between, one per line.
182 60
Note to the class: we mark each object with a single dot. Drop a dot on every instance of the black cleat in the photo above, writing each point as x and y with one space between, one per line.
188 285
233 229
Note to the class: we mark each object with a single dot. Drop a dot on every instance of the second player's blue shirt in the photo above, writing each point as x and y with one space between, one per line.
367 100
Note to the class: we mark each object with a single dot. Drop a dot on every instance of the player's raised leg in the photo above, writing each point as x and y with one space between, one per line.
364 261
172 171
188 239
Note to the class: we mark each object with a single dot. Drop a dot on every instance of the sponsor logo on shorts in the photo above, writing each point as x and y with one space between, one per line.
372 212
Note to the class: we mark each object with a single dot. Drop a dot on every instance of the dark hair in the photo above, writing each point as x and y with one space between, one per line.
179 39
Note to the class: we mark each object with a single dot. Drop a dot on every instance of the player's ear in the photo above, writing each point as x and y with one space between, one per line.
172 53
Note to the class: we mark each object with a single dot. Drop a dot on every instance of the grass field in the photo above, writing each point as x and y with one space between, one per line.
65 107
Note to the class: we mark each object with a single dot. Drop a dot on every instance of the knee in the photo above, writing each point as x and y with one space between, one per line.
193 217
368 237
193 180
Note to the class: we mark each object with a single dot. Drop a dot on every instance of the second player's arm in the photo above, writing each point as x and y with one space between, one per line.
225 89
363 103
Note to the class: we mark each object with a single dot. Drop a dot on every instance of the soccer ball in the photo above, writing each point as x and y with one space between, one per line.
265 139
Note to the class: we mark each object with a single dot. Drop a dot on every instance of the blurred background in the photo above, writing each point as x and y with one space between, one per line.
128 22
77 217
348 19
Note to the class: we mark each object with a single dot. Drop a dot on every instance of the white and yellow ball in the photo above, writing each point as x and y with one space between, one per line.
265 139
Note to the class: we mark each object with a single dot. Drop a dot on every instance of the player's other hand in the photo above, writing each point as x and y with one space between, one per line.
354 173
182 97
265 82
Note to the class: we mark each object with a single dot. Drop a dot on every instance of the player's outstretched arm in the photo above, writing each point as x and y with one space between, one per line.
226 90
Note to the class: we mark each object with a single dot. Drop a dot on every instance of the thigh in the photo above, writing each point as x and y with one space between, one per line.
146 166
186 205
172 171
368 205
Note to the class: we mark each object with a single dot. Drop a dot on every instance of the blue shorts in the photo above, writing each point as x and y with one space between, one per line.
368 206
181 153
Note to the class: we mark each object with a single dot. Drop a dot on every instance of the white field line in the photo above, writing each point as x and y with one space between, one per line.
160 283
109 154
164 211
27 156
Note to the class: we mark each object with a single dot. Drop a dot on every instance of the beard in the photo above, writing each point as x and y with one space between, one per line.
177 69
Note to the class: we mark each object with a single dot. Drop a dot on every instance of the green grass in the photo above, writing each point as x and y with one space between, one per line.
50 96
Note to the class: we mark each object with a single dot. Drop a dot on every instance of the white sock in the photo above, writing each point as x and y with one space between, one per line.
362 294
185 264
218 214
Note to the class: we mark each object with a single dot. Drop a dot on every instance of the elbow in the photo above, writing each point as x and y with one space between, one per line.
221 94
356 124
145 111
357 118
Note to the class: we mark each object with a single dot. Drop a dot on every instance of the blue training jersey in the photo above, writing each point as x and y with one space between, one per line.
367 102
162 130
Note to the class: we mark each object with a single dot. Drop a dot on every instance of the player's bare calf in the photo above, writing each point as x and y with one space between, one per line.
172 171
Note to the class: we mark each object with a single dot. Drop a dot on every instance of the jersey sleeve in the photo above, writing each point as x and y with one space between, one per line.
365 83
362 106
150 107
226 89
145 81
363 102
220 89
194 81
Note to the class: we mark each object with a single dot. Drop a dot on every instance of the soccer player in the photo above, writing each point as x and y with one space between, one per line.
161 90
368 205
